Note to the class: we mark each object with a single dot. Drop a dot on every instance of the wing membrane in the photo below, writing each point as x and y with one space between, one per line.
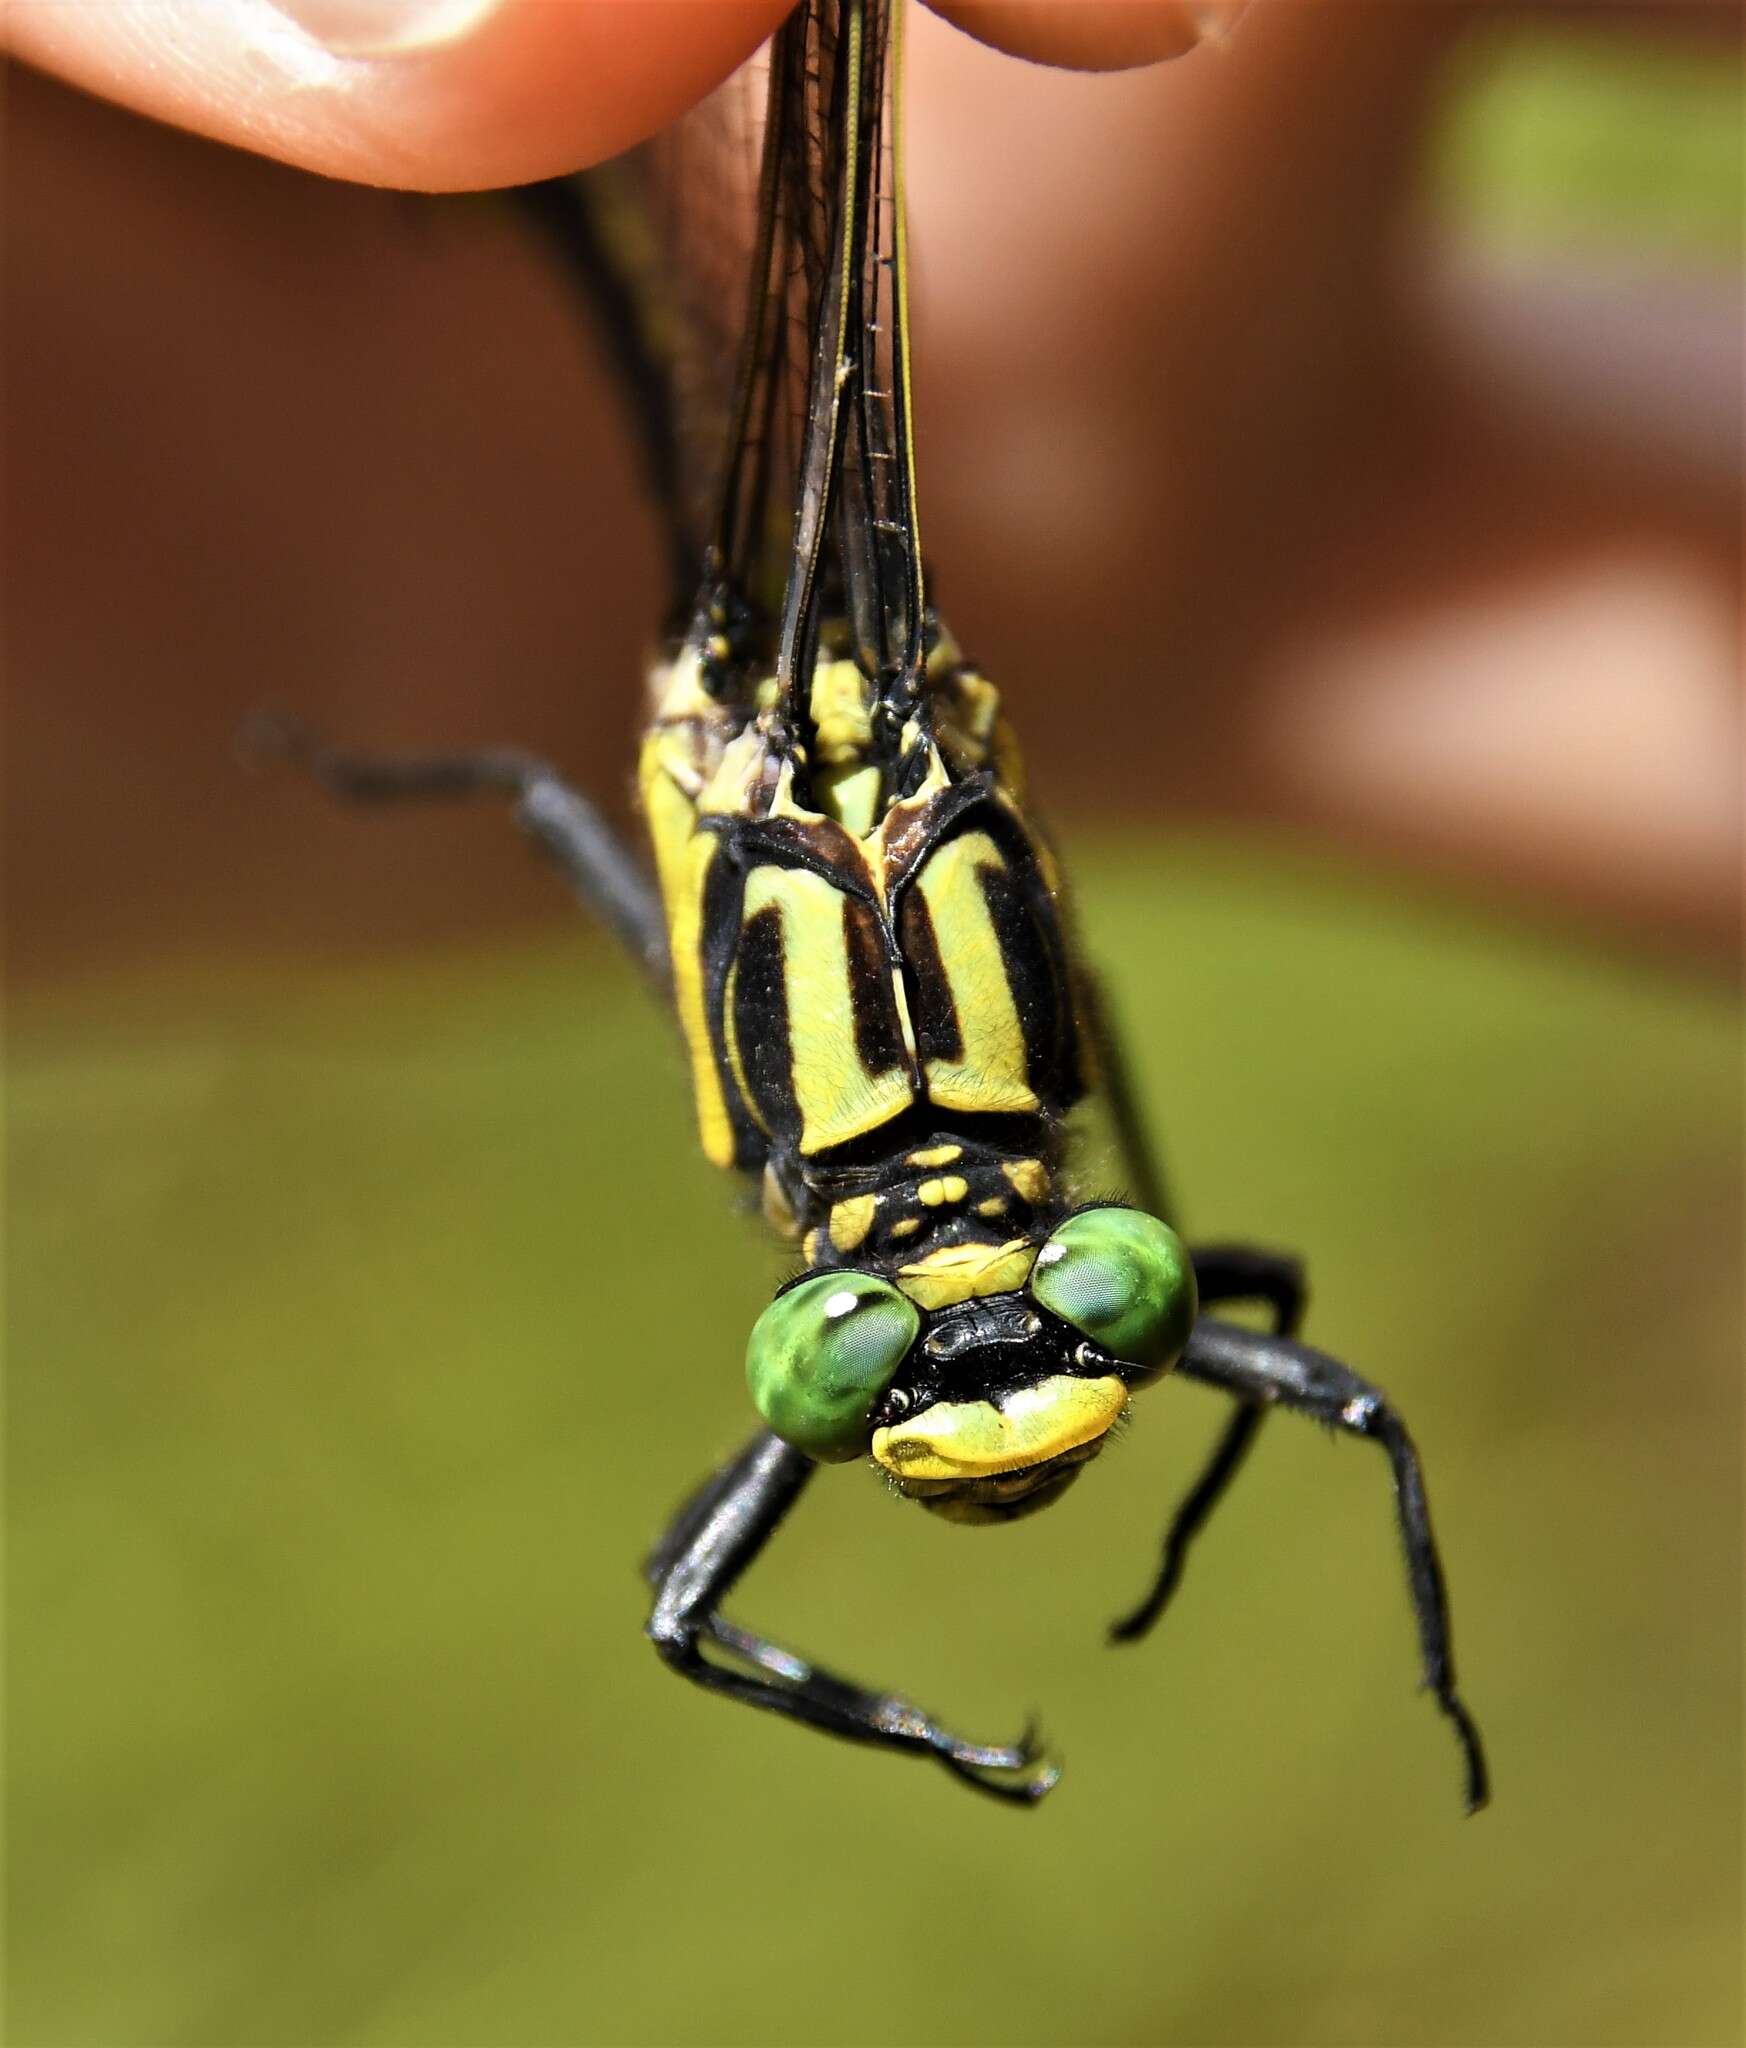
747 269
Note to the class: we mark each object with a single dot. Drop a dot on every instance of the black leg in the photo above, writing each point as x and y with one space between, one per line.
1223 1273
1238 1272
715 1536
1266 1370
599 866
1191 1516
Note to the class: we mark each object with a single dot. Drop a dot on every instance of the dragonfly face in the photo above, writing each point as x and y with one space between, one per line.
978 1398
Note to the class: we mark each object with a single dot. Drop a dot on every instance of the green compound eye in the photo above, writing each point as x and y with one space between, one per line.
822 1354
1123 1278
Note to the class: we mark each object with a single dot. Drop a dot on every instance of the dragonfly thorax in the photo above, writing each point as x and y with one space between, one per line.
866 944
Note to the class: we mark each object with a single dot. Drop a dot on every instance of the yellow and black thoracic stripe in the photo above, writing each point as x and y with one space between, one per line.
876 991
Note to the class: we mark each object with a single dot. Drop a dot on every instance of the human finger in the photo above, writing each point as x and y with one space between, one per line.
436 95
1092 35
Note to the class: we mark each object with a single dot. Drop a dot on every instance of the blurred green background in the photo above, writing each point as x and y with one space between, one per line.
366 1323
368 1310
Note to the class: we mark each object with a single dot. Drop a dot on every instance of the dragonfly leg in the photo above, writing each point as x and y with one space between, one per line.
1272 1370
714 1538
599 866
1238 1272
1222 1273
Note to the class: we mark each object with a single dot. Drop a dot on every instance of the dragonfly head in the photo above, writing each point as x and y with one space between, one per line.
986 1406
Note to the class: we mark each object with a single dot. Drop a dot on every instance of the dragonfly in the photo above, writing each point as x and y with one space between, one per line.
862 930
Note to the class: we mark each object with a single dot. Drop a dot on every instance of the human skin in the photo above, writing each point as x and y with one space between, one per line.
454 95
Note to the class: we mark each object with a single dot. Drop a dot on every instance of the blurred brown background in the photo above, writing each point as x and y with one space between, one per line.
1314 428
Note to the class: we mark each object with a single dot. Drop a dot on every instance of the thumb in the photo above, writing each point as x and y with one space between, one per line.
437 95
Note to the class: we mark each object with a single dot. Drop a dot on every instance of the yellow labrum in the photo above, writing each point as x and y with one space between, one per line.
838 1098
989 1077
976 1440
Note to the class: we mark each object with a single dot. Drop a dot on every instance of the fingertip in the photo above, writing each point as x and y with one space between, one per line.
437 95
1092 35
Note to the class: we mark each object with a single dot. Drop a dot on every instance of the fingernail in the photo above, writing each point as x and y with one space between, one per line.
384 28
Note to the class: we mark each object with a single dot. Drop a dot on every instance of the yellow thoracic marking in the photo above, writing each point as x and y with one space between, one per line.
994 1206
1029 1176
935 1155
778 1210
838 1098
967 716
841 724
990 1077
676 689
851 796
906 1226
851 1221
728 792
956 1272
944 655
703 759
682 860
814 1246
935 1194
976 1440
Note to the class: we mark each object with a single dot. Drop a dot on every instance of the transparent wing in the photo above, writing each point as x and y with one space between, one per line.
747 270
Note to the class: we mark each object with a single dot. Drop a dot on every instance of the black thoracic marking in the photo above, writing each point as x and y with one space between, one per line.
878 1037
723 899
930 825
819 845
934 1013
877 1162
760 1023
1036 974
